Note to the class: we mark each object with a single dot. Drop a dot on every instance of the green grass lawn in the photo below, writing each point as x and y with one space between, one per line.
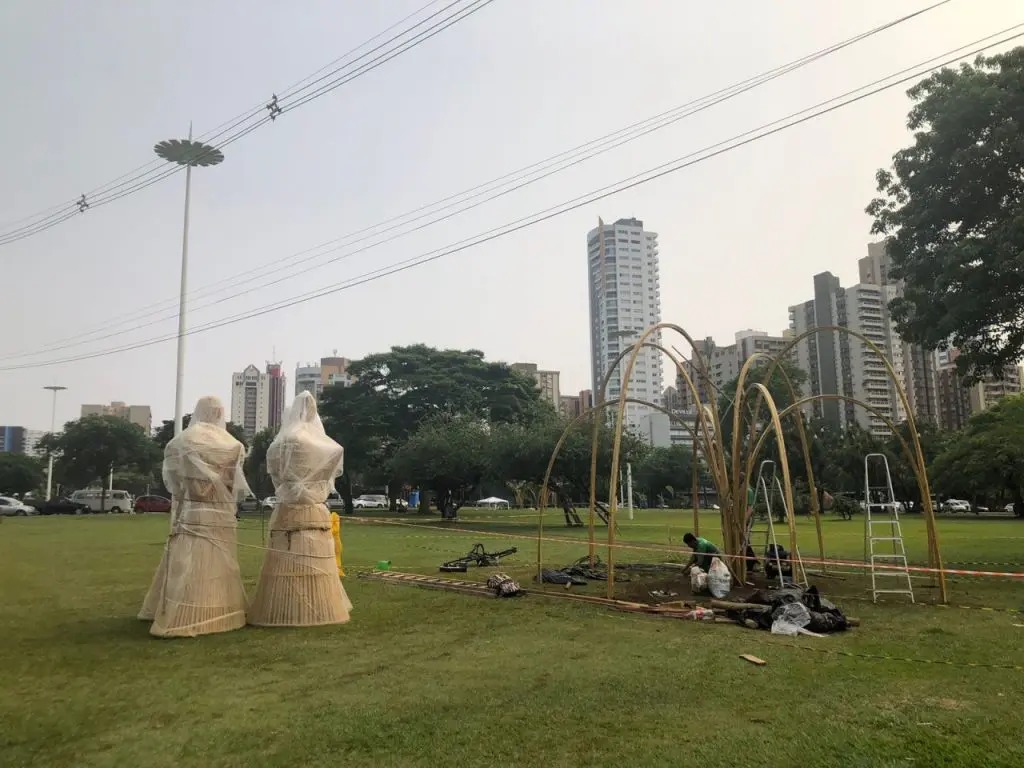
426 678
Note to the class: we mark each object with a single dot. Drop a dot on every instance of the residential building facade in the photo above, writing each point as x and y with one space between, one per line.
625 300
140 415
915 365
571 406
334 371
308 379
958 402
724 364
840 364
547 382
251 400
20 440
277 384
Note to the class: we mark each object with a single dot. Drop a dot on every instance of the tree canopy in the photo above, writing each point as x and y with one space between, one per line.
20 473
662 473
445 455
89 448
953 208
988 454
256 463
396 392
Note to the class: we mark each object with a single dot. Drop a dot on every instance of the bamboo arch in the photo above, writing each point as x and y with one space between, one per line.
730 476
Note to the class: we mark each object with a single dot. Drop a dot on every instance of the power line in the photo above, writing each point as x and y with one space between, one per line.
645 177
153 172
224 127
568 158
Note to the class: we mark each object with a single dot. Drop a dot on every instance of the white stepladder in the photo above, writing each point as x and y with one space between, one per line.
766 487
881 528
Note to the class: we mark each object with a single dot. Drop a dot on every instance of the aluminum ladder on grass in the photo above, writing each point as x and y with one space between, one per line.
882 532
768 484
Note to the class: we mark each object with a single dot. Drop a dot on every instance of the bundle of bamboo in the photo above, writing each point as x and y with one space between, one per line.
197 588
299 584
732 466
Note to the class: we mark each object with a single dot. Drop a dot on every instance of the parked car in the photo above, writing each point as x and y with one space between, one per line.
956 505
62 506
1009 508
152 504
10 507
334 502
370 501
269 503
249 504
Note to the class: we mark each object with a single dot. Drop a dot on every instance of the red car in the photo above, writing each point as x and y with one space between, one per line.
152 504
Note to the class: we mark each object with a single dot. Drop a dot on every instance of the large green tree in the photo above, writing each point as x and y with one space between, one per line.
664 472
395 392
445 455
256 463
89 448
986 459
20 473
520 454
952 206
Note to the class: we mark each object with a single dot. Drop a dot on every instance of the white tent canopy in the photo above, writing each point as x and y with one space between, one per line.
493 502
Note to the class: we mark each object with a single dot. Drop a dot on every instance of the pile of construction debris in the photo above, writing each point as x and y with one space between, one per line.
788 611
583 571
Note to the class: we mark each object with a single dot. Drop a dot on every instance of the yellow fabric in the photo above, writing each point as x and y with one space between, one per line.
336 532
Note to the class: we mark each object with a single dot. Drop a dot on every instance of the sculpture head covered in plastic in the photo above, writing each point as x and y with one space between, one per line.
209 410
206 456
303 461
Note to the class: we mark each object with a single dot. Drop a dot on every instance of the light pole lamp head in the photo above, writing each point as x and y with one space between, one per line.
189 152
54 388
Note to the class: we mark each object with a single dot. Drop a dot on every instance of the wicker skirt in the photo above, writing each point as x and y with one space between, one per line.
299 584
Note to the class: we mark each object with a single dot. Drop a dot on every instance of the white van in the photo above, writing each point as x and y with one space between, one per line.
116 501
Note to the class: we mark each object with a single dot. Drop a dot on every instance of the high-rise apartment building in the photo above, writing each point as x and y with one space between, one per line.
625 300
751 342
140 415
723 364
334 370
277 384
253 396
308 379
958 402
547 381
315 378
914 364
571 406
837 363
20 440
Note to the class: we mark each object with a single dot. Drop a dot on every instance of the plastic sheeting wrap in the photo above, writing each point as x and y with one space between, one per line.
299 584
197 588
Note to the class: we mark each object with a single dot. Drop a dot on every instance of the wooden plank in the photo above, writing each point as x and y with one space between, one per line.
753 659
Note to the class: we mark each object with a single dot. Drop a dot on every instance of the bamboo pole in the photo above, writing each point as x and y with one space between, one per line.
915 440
696 492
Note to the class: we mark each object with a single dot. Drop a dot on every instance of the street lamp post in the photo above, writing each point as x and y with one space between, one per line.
188 153
53 428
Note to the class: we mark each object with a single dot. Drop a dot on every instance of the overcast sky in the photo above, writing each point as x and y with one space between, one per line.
90 87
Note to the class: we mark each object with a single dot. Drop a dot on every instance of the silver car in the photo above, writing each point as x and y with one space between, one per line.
11 507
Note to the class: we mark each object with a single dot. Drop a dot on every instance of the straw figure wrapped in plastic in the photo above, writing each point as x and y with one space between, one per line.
197 589
299 584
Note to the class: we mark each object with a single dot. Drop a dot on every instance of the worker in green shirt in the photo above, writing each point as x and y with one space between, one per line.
703 552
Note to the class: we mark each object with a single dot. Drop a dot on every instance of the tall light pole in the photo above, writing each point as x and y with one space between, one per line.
53 428
188 153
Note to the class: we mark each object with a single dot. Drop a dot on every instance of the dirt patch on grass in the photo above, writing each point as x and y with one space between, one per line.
950 705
